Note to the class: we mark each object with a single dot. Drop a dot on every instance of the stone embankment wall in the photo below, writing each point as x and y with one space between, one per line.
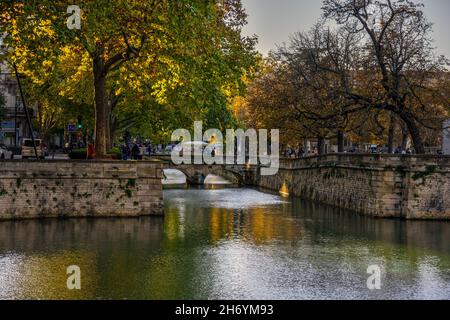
376 185
43 189
407 187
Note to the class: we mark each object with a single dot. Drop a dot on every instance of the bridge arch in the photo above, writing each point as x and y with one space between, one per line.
173 176
197 174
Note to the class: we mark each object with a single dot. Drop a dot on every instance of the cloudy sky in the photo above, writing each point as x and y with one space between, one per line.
274 20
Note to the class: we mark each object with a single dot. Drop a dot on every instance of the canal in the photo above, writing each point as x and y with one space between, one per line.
227 244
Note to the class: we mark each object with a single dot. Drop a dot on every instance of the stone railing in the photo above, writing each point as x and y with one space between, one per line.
369 160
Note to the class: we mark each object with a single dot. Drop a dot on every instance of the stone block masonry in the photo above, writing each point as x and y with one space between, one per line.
46 189
387 186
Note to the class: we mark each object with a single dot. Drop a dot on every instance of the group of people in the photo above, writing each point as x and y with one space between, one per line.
290 152
299 152
400 150
136 150
131 151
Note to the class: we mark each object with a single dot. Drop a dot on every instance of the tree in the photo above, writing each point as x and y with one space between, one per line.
280 97
146 44
370 72
334 80
392 50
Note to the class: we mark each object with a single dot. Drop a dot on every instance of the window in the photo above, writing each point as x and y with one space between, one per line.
29 143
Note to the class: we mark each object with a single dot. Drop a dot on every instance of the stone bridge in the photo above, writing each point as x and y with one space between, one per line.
197 173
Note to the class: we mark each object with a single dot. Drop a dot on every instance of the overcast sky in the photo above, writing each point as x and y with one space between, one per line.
275 20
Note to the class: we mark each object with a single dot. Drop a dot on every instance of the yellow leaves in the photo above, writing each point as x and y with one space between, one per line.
47 64
82 68
31 61
74 65
66 51
44 29
159 91
118 92
175 71
158 27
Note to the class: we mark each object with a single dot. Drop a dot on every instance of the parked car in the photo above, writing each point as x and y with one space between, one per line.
28 149
5 153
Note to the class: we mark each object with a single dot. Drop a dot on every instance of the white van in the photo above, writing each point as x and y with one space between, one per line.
28 149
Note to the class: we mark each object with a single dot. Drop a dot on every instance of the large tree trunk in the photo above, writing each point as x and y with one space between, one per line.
414 132
391 133
340 139
101 110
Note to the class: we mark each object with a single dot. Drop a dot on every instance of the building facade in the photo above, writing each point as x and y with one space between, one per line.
13 124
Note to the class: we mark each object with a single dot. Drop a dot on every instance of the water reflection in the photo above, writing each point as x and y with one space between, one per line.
229 243
216 180
174 177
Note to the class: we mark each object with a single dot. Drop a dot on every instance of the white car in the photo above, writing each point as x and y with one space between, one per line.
5 153
196 147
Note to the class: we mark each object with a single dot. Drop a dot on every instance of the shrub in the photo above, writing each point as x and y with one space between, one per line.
116 153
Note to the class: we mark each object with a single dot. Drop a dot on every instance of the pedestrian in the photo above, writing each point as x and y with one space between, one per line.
125 151
301 152
90 151
149 149
135 151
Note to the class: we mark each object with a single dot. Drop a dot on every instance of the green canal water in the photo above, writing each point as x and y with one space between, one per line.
227 244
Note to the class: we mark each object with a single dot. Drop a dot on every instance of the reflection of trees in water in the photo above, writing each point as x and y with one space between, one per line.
175 256
53 234
256 225
316 230
104 249
43 276
342 225
290 222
